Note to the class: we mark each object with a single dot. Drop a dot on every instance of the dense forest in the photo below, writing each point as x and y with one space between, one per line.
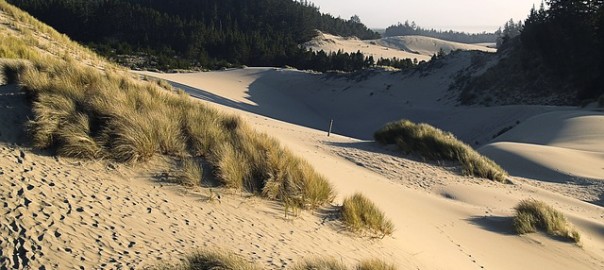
569 38
209 33
558 57
412 29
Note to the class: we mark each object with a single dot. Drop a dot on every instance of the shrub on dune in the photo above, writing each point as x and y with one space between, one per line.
435 144
533 215
360 214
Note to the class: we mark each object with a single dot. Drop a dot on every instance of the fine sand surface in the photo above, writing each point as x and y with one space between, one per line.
413 47
443 220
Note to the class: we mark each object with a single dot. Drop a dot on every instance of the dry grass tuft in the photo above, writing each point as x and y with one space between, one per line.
360 214
320 264
374 264
533 215
191 172
221 260
210 260
11 70
433 143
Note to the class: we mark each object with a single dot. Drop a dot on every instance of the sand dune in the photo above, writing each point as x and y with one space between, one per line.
413 47
428 46
437 213
555 146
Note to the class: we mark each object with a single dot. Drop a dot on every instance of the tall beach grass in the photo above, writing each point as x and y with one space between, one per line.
435 144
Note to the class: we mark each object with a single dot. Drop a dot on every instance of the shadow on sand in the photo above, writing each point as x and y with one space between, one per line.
14 113
501 225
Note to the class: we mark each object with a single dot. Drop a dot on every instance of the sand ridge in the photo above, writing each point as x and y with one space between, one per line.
412 47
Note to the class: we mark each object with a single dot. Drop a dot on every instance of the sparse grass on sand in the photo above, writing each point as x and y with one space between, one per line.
533 215
360 214
320 264
221 260
84 107
210 260
374 264
432 143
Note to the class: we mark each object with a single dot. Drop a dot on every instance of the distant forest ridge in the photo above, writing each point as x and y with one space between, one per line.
412 29
209 33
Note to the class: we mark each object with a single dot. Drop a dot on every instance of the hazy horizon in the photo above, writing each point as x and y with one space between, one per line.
472 16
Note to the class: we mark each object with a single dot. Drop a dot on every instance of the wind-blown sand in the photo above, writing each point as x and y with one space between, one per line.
464 222
413 47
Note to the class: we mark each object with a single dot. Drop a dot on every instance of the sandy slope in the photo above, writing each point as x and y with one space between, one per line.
414 47
553 146
68 214
463 222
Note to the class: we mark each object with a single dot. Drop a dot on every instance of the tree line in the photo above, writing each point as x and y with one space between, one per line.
412 29
209 33
567 38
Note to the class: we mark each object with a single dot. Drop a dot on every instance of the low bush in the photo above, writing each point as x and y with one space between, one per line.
533 215
360 214
432 143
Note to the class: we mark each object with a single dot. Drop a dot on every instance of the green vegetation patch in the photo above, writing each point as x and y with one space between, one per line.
360 214
432 143
533 215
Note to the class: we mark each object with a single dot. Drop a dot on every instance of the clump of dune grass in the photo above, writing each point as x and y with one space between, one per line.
221 260
601 101
333 264
360 214
190 173
374 264
533 215
83 107
320 264
210 260
10 70
432 143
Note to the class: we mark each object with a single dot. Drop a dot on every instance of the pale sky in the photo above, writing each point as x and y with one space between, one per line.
461 15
